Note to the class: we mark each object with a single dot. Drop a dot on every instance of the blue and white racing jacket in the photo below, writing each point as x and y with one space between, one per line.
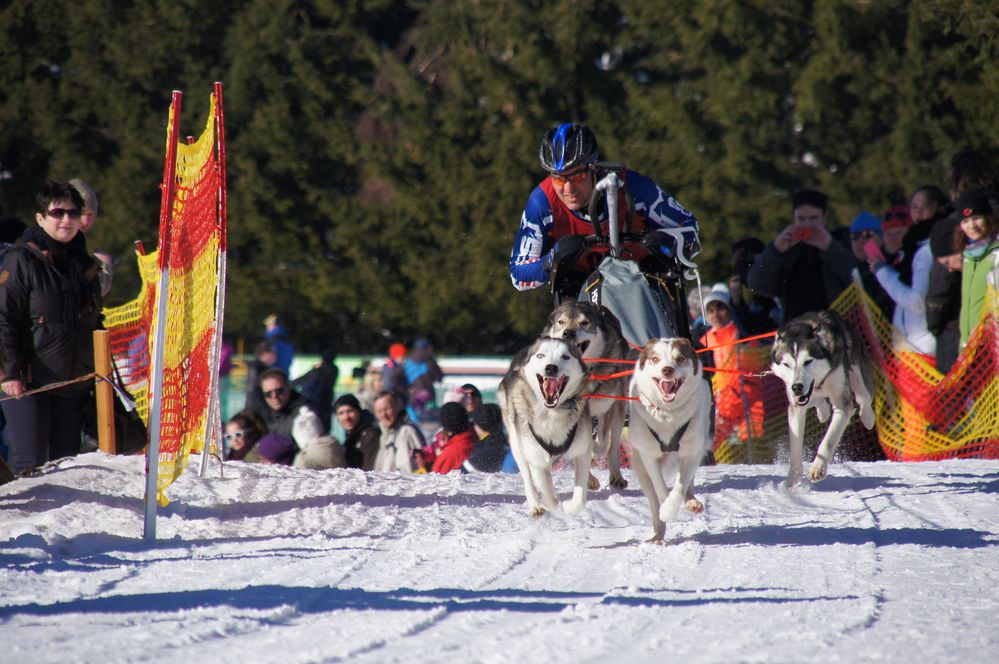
546 219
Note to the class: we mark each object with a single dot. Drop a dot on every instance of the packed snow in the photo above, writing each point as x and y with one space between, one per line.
888 562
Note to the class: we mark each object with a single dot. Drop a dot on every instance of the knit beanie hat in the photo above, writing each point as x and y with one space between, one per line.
973 202
454 417
897 216
277 448
489 417
347 400
865 221
942 238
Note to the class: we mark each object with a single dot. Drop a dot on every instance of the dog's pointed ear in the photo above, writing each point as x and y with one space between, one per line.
646 353
688 350
611 319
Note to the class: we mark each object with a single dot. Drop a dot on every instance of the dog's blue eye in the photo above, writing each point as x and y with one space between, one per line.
565 357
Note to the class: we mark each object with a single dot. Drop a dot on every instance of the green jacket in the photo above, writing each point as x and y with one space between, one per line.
974 287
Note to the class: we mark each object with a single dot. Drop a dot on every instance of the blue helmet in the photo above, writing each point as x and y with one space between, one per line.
567 146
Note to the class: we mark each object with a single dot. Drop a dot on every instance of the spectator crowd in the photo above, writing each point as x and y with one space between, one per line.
926 263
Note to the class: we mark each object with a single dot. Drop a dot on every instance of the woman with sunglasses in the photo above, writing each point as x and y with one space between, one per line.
555 221
50 305
242 432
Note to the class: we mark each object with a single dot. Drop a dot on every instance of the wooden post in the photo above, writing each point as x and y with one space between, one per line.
105 393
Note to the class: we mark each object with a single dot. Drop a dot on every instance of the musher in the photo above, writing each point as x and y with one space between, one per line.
555 220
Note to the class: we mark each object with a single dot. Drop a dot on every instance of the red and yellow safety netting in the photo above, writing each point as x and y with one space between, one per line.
194 227
921 414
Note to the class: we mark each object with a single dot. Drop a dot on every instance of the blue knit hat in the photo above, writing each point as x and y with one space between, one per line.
866 221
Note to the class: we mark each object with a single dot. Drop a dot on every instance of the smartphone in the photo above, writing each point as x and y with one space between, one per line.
801 233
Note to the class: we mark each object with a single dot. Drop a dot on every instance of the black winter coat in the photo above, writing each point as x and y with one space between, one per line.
50 305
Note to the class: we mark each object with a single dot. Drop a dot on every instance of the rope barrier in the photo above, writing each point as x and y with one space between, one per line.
53 386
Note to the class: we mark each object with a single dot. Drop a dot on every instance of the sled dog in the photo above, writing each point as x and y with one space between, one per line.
546 417
669 427
597 334
822 361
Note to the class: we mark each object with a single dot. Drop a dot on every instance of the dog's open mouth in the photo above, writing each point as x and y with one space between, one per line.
803 399
583 346
552 388
668 387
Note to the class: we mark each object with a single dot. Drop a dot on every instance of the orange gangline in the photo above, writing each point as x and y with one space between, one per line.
609 396
739 341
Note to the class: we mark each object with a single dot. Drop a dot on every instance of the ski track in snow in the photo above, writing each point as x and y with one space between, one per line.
879 562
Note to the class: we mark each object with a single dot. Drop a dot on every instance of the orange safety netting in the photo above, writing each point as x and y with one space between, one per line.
195 232
921 415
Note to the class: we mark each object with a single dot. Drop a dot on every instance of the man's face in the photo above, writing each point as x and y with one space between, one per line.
348 417
276 392
893 238
87 219
953 263
574 188
470 400
719 315
808 215
857 242
386 411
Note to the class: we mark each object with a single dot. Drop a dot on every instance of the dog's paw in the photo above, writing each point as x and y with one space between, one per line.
573 506
618 482
657 538
668 510
536 510
592 483
694 506
793 478
818 470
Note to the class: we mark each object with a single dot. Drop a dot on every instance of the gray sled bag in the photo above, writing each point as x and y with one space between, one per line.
620 286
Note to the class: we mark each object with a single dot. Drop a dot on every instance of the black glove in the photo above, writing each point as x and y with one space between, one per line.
659 244
566 251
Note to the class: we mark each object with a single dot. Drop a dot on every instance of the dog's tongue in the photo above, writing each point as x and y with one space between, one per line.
668 388
551 388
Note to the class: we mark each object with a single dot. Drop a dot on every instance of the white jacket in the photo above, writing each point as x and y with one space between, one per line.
396 447
910 301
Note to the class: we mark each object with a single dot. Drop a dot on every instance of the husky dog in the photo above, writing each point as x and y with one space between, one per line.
669 427
822 361
545 417
597 333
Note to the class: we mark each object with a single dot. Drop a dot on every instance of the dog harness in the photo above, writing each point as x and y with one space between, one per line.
555 450
674 442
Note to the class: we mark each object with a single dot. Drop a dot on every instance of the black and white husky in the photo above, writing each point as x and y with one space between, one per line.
546 417
597 334
822 362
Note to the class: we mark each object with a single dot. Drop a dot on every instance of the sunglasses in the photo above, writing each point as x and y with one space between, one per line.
575 178
59 213
273 394
235 434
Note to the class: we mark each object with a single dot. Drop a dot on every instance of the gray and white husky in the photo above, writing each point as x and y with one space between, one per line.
597 333
822 362
669 427
546 417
